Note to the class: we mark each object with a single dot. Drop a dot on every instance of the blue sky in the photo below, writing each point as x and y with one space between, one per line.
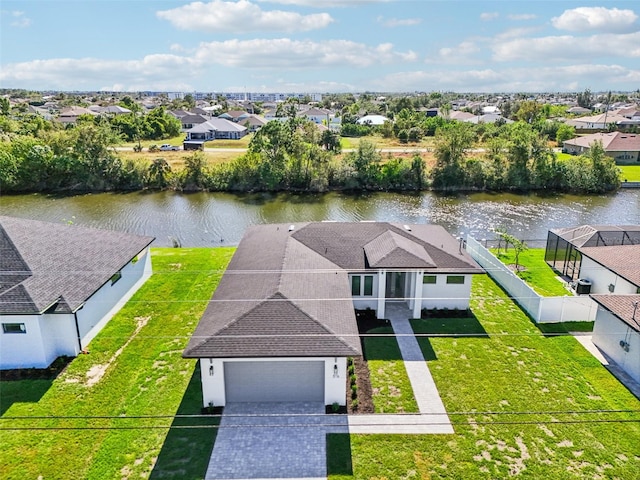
320 45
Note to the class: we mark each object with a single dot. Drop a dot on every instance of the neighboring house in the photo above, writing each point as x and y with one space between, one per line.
253 122
487 118
60 285
70 115
281 323
624 148
372 120
574 253
317 115
614 269
617 330
237 116
596 122
579 110
114 110
191 120
459 115
213 129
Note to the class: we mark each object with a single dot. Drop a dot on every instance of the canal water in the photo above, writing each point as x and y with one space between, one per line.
212 219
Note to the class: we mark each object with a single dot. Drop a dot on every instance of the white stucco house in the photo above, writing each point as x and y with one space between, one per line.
281 324
612 269
60 285
617 330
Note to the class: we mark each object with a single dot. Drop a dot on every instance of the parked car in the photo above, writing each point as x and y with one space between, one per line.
166 147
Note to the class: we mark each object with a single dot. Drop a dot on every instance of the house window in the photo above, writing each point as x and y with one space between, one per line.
355 285
14 328
361 288
368 285
429 279
455 279
116 276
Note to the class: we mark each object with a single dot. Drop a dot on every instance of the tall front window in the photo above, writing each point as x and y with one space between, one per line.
355 285
368 285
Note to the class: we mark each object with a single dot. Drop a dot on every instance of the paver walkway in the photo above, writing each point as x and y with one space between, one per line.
622 376
273 440
424 388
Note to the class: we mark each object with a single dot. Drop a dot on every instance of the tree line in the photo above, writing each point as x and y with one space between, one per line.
293 155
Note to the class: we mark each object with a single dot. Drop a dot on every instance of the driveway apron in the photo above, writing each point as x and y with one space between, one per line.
273 440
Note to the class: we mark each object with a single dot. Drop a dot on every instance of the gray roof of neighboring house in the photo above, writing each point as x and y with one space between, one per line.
622 306
193 118
611 142
217 124
286 293
623 260
48 265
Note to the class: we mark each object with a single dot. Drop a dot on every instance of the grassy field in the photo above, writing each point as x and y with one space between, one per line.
176 159
497 387
537 273
630 173
392 392
134 368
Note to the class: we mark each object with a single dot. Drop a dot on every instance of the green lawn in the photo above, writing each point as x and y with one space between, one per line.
630 173
138 371
392 392
492 386
537 273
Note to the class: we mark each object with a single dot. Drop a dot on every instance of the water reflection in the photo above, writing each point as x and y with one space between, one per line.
208 219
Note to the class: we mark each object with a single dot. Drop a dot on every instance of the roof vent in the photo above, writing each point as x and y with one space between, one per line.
407 228
292 228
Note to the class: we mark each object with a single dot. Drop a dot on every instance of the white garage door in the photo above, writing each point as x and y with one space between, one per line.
274 381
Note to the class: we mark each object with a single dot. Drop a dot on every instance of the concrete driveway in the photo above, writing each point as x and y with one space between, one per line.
273 440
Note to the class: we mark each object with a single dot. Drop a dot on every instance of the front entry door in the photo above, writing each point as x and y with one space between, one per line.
395 285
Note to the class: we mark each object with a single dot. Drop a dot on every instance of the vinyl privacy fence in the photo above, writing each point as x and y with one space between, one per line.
540 309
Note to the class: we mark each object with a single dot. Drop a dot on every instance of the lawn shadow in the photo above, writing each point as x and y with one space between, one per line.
339 454
186 450
563 328
28 385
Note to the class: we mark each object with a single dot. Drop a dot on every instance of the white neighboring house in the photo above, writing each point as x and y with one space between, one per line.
617 330
60 285
611 269
281 324
374 120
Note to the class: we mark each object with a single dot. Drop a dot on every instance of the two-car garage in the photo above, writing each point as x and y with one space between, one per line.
274 381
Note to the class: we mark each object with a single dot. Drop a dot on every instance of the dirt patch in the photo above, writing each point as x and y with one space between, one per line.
95 373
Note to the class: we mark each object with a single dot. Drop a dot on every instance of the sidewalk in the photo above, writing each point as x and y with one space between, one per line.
622 376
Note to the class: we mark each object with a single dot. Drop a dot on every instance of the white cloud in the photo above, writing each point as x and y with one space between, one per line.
567 47
486 16
522 16
464 52
515 33
325 3
547 79
296 54
240 17
399 22
596 19
150 72
20 21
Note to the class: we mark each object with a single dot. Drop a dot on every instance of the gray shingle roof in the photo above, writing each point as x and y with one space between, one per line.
46 265
622 306
287 293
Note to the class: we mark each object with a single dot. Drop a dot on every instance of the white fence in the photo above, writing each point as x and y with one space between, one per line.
541 309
